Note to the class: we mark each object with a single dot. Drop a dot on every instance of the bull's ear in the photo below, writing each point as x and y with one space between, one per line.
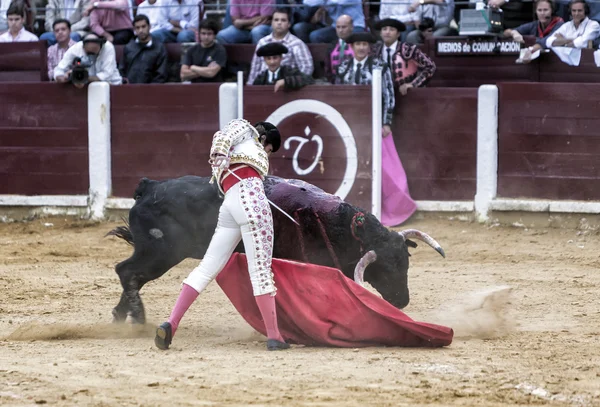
410 243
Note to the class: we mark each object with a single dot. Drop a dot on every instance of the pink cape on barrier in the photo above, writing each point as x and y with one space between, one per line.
396 203
319 306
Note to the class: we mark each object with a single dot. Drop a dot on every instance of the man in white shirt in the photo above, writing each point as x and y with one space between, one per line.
178 20
15 15
568 40
99 53
152 10
298 55
577 32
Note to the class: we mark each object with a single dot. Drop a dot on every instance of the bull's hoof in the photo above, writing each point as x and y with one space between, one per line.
274 344
164 336
118 316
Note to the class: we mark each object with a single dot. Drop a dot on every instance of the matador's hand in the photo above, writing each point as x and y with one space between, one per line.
220 161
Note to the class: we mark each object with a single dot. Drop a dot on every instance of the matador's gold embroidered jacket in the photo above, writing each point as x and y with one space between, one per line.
239 141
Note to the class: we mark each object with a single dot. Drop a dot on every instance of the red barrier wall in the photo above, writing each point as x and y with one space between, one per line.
435 132
43 139
161 131
549 141
23 62
312 122
552 69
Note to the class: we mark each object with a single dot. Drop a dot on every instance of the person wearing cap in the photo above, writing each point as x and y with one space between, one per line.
298 55
281 76
358 70
239 157
411 67
398 10
102 55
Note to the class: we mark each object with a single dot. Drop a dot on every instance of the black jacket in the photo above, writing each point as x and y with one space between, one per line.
294 79
144 64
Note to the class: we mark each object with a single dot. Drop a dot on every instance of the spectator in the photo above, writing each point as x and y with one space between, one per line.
398 10
178 20
322 25
99 52
152 10
5 5
577 32
110 19
62 35
281 77
298 56
144 60
358 70
71 10
390 31
545 25
440 11
411 68
250 22
15 16
204 62
339 49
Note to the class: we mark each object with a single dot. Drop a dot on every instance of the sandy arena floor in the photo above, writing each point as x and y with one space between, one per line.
538 346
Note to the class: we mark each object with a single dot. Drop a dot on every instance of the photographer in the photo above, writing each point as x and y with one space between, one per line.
90 60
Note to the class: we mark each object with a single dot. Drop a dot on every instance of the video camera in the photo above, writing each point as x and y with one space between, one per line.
482 20
79 70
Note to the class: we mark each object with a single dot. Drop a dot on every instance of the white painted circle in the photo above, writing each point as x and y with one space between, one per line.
337 120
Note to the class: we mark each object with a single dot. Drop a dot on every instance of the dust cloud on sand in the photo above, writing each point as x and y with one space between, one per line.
36 331
483 314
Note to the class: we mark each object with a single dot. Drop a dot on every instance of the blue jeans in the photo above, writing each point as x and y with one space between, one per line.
164 36
232 35
52 39
314 33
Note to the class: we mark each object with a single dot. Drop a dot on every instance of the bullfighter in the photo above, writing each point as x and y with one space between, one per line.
244 215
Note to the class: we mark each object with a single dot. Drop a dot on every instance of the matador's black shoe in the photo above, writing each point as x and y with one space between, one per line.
164 336
274 344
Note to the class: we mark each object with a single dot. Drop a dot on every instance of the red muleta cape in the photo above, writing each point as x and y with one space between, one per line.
319 306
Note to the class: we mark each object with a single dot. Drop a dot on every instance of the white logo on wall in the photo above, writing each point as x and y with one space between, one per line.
301 140
337 120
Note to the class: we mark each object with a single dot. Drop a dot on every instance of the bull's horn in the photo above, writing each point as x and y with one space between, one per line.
363 263
414 233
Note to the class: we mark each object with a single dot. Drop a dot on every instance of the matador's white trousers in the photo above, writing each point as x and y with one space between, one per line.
245 214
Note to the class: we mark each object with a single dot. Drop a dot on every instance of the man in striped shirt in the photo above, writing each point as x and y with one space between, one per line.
298 55
62 32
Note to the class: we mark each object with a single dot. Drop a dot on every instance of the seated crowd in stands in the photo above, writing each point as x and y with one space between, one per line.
77 26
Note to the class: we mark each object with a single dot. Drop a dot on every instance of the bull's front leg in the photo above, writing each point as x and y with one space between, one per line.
120 311
136 307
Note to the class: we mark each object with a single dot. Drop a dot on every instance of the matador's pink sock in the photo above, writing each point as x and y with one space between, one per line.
266 305
186 297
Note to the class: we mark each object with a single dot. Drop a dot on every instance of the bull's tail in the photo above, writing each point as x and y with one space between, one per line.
122 232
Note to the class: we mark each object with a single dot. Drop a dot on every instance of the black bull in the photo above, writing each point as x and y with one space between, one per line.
175 219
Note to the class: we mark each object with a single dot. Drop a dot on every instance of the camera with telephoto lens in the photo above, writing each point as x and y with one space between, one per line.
79 70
